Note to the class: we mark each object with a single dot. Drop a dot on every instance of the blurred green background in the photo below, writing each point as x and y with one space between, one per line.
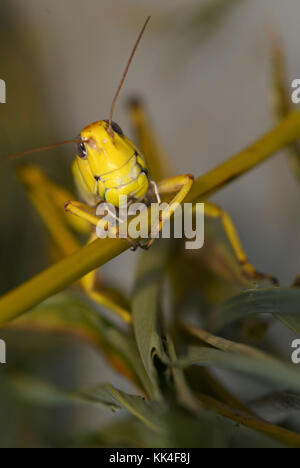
204 71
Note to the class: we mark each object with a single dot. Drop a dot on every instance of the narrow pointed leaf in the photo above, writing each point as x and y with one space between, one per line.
146 306
224 344
283 303
281 374
43 393
69 314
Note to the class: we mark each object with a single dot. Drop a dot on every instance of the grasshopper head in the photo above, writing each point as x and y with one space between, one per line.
110 164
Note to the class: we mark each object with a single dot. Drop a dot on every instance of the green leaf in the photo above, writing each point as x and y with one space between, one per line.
225 345
176 428
43 393
69 314
184 394
292 321
251 423
276 405
99 395
110 396
283 303
138 407
145 307
156 348
282 374
39 392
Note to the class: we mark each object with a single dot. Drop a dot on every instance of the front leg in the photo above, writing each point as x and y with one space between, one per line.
180 184
83 211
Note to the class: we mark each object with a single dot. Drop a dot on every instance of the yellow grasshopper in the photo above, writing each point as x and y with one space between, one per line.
108 165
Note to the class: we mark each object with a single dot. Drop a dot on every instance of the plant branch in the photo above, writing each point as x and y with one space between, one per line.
92 256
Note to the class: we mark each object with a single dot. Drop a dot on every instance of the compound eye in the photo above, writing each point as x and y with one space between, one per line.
116 128
81 150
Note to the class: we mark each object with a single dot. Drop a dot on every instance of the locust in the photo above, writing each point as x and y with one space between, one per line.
107 166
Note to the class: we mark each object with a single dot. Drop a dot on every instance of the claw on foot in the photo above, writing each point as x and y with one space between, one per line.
136 245
253 274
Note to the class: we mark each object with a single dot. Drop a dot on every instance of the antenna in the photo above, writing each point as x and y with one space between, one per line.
109 128
43 148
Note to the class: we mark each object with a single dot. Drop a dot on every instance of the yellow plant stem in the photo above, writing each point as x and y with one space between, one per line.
92 256
59 276
292 439
285 133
